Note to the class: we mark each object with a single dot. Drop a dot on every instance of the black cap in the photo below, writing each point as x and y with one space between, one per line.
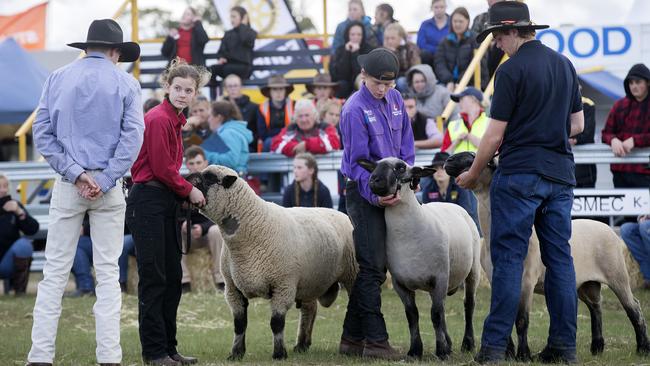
470 90
440 158
380 63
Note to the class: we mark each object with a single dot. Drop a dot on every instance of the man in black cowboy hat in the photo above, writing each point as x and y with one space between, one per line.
536 107
89 127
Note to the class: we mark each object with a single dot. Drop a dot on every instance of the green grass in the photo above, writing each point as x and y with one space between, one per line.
205 330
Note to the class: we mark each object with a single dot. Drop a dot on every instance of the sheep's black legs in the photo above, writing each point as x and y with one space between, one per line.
589 293
412 316
470 294
308 311
443 341
634 313
281 301
239 306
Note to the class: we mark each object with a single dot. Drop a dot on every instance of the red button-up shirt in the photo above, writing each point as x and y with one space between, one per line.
184 44
161 155
629 118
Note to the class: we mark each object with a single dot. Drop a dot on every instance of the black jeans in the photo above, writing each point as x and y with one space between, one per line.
364 320
631 180
151 214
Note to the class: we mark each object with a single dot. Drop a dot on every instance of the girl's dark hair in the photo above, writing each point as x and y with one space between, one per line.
241 11
386 8
178 68
355 23
311 163
460 11
227 109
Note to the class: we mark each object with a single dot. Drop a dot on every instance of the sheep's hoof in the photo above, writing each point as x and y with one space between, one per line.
523 355
280 354
597 346
415 352
301 347
467 345
236 356
643 349
443 351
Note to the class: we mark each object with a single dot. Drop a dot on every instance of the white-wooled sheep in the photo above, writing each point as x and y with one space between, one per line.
286 255
598 258
433 247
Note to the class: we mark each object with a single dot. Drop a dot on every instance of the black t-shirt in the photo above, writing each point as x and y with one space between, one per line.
535 92
324 198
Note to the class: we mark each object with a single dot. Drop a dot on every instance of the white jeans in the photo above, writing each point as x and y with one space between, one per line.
67 210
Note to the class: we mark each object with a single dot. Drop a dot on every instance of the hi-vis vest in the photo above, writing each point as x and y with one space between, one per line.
457 127
265 110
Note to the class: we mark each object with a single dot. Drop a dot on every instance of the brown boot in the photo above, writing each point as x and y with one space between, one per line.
350 347
381 350
20 277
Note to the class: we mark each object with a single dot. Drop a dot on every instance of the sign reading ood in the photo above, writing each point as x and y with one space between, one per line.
27 27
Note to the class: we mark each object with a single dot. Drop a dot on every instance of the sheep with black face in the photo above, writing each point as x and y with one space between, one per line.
433 247
282 254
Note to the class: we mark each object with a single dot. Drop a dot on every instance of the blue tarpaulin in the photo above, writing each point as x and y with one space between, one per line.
605 82
22 80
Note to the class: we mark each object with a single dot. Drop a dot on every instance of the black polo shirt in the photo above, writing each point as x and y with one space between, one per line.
536 91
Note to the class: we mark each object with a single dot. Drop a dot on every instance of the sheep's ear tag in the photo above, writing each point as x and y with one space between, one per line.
367 164
228 181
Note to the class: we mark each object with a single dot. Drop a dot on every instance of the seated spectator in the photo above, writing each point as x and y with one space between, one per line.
274 113
188 40
586 173
637 238
306 190
330 113
433 31
425 130
233 86
408 54
384 15
197 129
344 66
83 262
430 97
235 55
356 13
228 143
456 51
628 126
150 103
306 134
204 232
465 134
444 189
15 251
322 88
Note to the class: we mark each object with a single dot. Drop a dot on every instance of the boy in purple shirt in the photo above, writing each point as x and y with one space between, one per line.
374 125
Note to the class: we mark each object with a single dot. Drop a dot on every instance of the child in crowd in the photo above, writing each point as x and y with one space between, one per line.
274 113
306 190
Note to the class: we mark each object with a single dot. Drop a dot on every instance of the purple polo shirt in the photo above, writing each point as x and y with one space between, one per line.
374 129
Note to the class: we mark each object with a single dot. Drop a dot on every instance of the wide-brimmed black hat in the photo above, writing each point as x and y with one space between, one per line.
107 33
508 15
276 81
321 80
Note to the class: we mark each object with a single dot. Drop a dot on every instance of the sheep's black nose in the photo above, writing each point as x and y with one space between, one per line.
378 186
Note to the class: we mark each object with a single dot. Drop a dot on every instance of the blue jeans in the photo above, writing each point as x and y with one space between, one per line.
637 238
21 248
519 202
83 261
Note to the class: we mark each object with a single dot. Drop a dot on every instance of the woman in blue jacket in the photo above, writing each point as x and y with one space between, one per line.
228 143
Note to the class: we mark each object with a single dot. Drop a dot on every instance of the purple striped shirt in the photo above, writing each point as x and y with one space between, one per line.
90 118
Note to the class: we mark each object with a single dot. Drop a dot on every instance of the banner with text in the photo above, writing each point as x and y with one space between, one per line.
27 27
610 202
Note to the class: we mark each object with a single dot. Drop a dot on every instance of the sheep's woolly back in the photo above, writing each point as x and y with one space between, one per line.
305 250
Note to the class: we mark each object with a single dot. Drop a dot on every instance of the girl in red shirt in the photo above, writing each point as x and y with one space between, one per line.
151 213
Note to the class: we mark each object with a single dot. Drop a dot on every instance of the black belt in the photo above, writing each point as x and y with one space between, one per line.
155 183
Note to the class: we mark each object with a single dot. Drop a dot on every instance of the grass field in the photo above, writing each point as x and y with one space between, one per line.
205 330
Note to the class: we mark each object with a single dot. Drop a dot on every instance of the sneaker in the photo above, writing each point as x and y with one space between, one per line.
350 347
381 350
554 355
79 293
186 287
489 355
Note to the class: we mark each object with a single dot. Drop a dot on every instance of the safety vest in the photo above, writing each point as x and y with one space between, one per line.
457 127
265 110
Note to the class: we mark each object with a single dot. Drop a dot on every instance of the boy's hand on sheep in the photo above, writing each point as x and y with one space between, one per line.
196 197
391 200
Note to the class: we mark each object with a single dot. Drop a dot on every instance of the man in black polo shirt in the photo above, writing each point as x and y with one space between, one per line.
536 107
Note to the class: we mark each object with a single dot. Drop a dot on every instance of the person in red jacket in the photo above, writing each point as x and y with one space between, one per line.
306 134
188 40
151 214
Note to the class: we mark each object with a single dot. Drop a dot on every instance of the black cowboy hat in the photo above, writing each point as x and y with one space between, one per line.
107 33
276 81
506 15
321 80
